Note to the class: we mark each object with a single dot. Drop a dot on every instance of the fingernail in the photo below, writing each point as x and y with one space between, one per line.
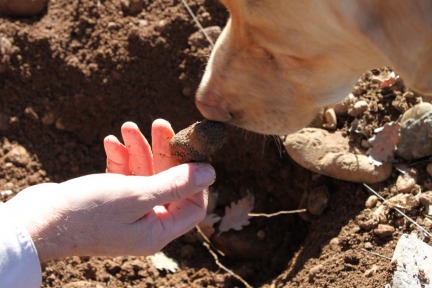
205 176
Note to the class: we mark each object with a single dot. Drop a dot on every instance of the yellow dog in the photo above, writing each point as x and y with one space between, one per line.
278 61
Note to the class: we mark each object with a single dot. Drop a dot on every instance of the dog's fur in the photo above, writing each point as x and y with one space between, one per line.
278 61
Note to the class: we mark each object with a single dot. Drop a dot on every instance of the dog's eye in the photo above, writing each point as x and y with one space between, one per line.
266 54
269 55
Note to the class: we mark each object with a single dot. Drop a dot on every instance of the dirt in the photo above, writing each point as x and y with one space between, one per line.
197 142
74 74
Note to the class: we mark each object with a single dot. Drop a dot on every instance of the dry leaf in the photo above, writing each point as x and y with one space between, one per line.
163 262
206 225
236 215
383 144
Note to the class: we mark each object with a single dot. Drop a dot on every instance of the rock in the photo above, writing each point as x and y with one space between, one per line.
416 137
317 200
371 202
382 213
314 271
416 112
330 119
199 40
367 220
18 156
358 108
370 272
425 198
411 261
406 182
22 7
334 243
384 230
330 154
407 202
368 245
341 108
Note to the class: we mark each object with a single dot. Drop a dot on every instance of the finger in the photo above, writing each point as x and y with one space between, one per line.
181 216
117 156
174 184
161 136
140 154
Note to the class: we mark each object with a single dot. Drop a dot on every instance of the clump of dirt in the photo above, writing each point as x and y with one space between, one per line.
199 141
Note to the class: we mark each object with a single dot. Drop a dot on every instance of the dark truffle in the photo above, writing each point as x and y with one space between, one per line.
199 141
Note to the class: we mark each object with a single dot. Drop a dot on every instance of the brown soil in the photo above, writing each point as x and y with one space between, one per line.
76 73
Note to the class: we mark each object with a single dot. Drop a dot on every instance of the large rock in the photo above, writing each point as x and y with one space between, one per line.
416 137
330 154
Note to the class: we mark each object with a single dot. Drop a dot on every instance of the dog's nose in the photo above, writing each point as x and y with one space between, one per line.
214 113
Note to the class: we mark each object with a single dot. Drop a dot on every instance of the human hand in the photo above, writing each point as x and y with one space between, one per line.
111 214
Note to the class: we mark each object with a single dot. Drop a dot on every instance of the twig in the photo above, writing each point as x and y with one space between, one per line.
276 213
376 254
207 245
206 239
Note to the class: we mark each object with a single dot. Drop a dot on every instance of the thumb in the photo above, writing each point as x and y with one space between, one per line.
174 184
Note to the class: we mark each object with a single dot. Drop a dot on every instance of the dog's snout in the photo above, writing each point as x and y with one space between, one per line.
213 112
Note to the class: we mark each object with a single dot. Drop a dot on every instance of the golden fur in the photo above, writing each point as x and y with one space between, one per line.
278 61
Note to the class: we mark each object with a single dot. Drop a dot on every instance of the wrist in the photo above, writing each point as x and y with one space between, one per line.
38 217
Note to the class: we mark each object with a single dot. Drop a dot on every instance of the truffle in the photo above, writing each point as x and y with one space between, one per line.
199 141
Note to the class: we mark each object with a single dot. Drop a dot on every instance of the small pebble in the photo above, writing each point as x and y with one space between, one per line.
367 220
314 271
384 230
370 272
407 202
358 108
334 243
17 156
381 213
406 182
341 108
330 119
425 198
368 245
371 202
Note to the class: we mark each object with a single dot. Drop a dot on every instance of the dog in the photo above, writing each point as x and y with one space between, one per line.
277 62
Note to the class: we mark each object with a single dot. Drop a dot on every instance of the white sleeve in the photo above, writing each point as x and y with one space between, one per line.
19 261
